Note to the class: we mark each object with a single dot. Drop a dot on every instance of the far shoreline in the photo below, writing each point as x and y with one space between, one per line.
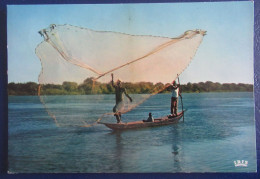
87 88
138 93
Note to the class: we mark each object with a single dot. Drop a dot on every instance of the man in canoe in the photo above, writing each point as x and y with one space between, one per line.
119 90
150 118
174 99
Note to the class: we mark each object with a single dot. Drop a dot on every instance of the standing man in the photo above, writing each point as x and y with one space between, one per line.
174 99
119 90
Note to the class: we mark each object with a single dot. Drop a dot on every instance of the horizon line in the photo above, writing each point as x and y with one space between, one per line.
140 82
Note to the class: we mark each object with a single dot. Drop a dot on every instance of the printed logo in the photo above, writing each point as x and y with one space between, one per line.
240 163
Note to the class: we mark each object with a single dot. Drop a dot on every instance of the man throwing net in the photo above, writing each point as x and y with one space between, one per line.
119 90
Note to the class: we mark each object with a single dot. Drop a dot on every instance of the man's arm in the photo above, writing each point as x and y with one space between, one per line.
127 95
112 75
175 87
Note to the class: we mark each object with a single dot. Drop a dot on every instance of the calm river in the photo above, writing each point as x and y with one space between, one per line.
218 129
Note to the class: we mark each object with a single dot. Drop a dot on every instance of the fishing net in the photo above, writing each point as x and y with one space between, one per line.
77 64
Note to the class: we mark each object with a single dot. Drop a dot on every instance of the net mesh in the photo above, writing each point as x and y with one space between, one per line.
78 60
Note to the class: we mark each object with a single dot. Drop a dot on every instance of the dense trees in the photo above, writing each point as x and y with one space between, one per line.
216 87
29 88
87 87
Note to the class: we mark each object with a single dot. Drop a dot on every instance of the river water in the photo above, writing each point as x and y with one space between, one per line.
218 129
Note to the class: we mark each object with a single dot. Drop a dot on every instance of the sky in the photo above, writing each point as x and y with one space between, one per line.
225 54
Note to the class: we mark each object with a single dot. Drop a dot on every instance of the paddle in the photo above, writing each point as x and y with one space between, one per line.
181 98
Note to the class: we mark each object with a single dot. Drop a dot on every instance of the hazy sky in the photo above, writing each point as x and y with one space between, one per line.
225 55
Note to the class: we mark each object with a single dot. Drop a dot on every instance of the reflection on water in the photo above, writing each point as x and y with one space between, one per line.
118 164
176 149
176 158
216 132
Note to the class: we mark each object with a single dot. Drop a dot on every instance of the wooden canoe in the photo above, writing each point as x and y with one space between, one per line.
140 124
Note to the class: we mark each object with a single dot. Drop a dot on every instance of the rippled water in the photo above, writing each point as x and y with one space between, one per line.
218 129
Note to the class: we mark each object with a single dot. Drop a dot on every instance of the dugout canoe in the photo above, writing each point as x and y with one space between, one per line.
140 124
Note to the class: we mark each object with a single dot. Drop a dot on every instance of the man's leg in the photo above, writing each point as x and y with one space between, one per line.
177 101
172 105
175 107
119 116
116 114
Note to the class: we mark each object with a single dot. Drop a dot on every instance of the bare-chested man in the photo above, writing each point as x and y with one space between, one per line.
119 90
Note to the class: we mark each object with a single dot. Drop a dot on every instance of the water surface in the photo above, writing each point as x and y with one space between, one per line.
218 129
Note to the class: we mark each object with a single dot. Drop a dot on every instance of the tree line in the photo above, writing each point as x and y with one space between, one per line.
87 87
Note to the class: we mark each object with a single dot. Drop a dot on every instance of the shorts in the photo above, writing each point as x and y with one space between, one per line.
118 107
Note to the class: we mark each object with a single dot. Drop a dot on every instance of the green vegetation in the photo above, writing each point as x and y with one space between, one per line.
21 89
216 87
87 87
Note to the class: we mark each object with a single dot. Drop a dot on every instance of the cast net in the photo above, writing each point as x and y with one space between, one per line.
77 64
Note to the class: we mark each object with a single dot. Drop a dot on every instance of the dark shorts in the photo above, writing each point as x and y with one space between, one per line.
174 104
174 99
118 107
